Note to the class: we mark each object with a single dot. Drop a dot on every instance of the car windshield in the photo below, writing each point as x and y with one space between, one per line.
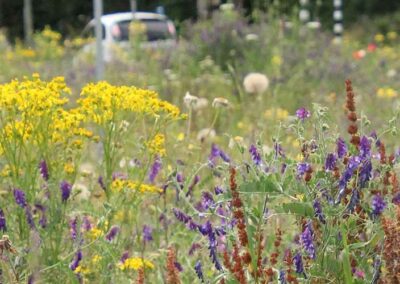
155 30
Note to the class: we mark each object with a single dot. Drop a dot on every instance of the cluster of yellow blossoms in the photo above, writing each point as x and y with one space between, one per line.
119 184
387 93
157 145
135 263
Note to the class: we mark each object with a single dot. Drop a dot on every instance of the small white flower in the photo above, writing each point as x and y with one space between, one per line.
391 73
86 169
189 100
122 163
251 37
220 103
304 15
81 190
255 83
314 25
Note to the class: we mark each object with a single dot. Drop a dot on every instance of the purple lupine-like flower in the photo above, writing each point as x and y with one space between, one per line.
147 233
298 263
207 230
302 168
19 197
207 200
218 190
307 242
365 173
352 165
3 223
73 227
181 216
112 233
65 188
224 156
43 219
195 181
199 271
76 260
101 183
374 136
378 205
282 277
318 211
302 113
86 225
255 155
44 170
124 257
396 198
29 217
178 266
193 248
341 148
365 147
354 200
214 154
330 162
155 169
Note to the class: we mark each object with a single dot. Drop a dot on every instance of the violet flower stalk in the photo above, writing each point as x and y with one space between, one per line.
112 233
307 242
73 227
65 189
318 211
378 205
302 168
29 218
255 155
3 223
341 148
147 233
43 219
330 162
302 114
207 230
298 263
155 169
76 260
44 170
365 147
199 271
19 197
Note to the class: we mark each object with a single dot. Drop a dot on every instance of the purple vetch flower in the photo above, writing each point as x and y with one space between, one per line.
180 179
29 217
365 173
224 156
214 154
374 136
307 242
195 181
207 230
378 205
302 168
124 257
218 190
155 169
44 170
147 233
43 220
298 263
365 147
341 148
3 223
330 162
396 198
19 197
199 271
178 266
255 155
86 225
193 248
101 183
181 216
73 226
207 200
112 233
282 278
302 114
76 260
354 200
352 165
65 188
318 211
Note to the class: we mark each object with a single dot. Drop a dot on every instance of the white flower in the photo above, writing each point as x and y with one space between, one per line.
82 191
251 37
189 100
220 103
314 25
391 73
205 133
255 83
201 104
304 15
86 169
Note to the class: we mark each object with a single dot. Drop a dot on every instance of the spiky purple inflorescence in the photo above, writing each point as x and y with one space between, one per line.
124 256
255 155
76 260
44 170
207 200
218 190
199 271
302 168
341 148
3 223
365 147
318 211
86 225
307 242
19 197
29 217
378 205
195 181
365 173
147 233
282 278
181 216
73 226
396 198
155 169
65 189
43 219
354 200
207 230
298 263
302 113
352 165
330 162
112 233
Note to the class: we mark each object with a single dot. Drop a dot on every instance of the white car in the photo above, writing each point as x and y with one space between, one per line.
160 32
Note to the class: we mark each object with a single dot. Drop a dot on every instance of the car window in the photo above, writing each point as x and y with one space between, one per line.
155 30
89 32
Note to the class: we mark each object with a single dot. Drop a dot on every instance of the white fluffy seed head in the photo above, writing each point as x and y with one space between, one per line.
255 83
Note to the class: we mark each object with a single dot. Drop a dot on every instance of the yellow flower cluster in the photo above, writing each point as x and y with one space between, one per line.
135 263
157 145
276 113
101 102
118 185
387 93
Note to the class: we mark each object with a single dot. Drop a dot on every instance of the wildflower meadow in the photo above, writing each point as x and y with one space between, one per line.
250 153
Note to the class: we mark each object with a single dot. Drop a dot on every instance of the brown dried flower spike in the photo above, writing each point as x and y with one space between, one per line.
351 115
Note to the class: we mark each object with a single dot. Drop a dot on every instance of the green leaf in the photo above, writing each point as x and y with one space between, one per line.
264 185
299 208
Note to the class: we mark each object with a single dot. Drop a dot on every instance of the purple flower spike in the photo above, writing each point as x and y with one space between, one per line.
302 114
43 219
378 205
298 262
199 271
255 155
147 233
330 162
282 277
3 224
73 223
307 242
218 190
77 259
396 198
29 218
318 211
112 233
302 168
19 197
65 188
365 147
341 148
181 216
124 256
155 169
44 170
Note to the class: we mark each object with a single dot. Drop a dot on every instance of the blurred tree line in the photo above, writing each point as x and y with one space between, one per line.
69 16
